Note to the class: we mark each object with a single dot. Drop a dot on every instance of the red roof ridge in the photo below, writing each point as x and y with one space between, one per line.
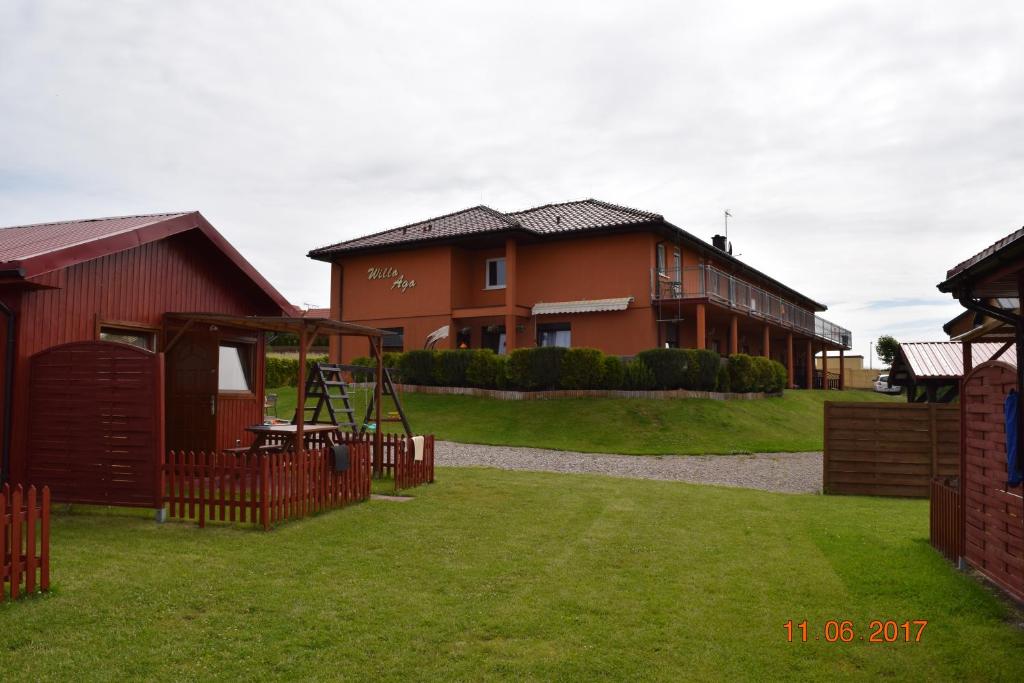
160 216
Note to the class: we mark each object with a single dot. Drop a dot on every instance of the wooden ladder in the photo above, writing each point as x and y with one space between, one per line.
324 377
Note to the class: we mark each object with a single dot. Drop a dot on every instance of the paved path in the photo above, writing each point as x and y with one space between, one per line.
783 472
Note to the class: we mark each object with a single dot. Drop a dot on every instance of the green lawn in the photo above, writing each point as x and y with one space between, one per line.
633 426
502 575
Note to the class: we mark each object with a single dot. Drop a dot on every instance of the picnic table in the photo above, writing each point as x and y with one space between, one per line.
283 435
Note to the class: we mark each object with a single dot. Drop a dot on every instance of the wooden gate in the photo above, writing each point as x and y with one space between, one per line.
95 427
889 449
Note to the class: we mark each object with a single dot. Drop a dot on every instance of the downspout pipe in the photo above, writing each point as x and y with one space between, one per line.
5 463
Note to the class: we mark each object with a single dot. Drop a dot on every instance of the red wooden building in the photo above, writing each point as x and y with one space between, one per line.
979 517
95 364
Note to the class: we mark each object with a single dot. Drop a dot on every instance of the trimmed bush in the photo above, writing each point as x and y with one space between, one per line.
581 369
722 383
450 367
367 376
781 376
535 369
613 373
669 367
639 377
764 376
417 367
702 373
501 373
483 369
742 377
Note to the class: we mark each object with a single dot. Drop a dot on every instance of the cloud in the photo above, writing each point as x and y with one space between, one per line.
863 148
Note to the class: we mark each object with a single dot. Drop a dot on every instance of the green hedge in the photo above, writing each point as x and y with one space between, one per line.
283 371
538 369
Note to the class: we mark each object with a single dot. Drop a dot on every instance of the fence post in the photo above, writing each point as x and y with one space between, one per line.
265 492
30 541
15 575
933 433
824 451
44 550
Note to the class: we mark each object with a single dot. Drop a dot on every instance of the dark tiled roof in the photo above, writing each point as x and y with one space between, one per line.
583 215
21 242
982 255
587 214
472 221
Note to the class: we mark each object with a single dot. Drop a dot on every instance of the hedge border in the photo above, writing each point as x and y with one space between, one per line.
513 395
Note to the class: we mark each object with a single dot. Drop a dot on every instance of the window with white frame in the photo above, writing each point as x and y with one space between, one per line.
554 334
495 273
235 370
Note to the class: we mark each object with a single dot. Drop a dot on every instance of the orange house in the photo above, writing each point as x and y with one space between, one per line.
585 274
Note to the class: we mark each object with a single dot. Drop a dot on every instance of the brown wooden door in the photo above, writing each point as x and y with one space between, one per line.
192 393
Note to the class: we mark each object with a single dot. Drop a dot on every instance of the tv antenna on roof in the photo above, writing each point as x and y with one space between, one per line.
727 217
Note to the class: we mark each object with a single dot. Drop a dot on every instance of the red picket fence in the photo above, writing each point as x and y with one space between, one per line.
397 459
24 549
947 534
261 488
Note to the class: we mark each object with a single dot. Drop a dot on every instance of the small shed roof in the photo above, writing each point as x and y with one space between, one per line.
27 251
583 306
943 359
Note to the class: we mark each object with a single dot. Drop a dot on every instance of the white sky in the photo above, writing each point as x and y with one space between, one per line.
863 148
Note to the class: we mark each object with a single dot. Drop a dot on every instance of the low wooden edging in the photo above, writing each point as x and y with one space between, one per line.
24 549
510 395
261 488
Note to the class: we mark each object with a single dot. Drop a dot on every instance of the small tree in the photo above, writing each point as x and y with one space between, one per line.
887 349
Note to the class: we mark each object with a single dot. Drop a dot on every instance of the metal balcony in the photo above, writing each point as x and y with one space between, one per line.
707 282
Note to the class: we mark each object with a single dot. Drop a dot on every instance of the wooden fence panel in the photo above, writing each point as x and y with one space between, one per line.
946 533
24 541
889 449
262 488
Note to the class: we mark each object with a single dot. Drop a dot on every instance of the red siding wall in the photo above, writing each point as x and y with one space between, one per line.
184 272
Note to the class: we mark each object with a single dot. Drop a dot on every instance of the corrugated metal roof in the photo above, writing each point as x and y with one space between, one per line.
21 242
984 254
932 360
583 306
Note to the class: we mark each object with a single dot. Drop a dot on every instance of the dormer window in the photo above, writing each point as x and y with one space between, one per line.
495 274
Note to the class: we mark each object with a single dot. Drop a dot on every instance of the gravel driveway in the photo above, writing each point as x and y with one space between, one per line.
783 472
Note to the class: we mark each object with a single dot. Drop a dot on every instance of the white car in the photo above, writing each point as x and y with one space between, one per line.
882 386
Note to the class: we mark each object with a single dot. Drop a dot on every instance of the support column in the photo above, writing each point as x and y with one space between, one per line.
842 371
334 341
809 363
766 342
734 335
790 365
511 258
824 368
701 319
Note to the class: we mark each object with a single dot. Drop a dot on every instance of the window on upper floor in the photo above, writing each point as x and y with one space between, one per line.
495 273
660 259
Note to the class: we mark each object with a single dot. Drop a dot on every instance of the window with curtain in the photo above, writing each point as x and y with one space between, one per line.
495 273
235 372
554 334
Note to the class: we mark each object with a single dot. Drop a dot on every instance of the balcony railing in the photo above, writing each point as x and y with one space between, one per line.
707 282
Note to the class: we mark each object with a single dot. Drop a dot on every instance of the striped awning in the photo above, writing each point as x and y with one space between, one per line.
583 306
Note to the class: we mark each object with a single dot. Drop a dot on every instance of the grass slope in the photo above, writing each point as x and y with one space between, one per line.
793 422
497 575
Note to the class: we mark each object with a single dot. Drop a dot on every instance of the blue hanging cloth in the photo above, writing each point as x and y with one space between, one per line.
1013 464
